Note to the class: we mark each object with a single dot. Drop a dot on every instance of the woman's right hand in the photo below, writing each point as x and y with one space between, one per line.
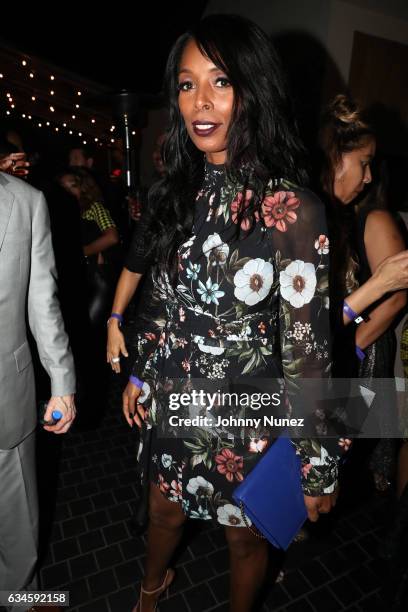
392 273
116 345
131 409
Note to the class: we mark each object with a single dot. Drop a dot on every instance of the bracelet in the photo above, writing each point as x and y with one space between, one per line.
353 316
136 381
116 315
360 353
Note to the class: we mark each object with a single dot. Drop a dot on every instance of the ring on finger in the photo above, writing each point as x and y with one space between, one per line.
115 359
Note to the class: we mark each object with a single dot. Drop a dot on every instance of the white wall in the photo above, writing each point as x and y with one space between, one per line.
331 22
346 18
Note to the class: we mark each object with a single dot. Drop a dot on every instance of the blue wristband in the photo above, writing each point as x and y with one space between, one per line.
116 315
136 381
360 353
349 312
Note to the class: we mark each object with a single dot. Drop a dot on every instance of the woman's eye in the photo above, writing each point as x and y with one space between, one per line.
184 86
222 82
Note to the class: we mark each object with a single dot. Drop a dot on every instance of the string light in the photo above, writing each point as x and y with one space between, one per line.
24 63
84 142
79 93
8 95
12 106
51 92
40 125
52 109
52 77
33 98
1 75
29 116
76 105
112 140
133 133
57 129
92 120
73 116
7 112
23 116
79 133
31 75
96 139
48 123
64 124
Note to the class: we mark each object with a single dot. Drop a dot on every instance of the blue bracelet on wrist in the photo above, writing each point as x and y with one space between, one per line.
360 353
136 381
116 315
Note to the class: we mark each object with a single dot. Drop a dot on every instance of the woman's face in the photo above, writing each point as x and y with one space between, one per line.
354 173
70 183
206 100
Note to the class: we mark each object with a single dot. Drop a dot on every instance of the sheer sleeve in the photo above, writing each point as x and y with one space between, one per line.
301 247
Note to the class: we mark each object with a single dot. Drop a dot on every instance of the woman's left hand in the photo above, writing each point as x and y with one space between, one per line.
320 505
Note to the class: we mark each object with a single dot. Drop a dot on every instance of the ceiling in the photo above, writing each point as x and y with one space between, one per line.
97 55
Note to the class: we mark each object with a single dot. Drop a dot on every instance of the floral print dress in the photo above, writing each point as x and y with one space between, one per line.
247 307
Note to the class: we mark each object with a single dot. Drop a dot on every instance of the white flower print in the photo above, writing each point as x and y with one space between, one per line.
166 460
253 281
200 513
322 245
231 515
200 487
209 292
193 270
206 348
298 283
216 250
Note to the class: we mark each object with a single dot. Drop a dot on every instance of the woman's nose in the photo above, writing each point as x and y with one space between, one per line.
202 99
367 175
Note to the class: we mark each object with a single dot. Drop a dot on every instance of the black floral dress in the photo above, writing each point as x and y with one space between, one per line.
249 307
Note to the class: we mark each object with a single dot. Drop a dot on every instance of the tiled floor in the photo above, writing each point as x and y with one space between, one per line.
93 553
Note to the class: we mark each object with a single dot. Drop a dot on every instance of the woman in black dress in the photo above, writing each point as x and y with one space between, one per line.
240 258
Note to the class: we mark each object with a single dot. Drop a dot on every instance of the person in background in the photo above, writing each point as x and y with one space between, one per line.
99 235
364 236
28 299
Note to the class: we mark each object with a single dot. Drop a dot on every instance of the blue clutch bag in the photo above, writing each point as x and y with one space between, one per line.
272 495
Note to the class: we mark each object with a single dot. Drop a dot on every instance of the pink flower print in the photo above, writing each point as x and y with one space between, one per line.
230 464
262 327
163 485
176 489
238 205
306 469
279 210
162 339
185 364
182 314
150 336
345 443
322 245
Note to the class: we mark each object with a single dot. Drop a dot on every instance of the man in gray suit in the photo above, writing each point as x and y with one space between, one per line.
27 293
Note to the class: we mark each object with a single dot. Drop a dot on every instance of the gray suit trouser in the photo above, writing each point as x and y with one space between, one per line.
18 517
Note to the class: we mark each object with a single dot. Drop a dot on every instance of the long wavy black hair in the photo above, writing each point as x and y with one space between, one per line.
262 138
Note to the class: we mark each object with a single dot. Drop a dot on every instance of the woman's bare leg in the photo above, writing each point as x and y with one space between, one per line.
166 520
248 562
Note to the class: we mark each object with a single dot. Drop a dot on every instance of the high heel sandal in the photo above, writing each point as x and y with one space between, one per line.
168 579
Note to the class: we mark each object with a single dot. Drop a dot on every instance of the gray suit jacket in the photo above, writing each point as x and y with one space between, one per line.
27 291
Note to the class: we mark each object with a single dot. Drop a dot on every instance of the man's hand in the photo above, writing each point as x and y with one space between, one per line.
15 163
320 505
64 404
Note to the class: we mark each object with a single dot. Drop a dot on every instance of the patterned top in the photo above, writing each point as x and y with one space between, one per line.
100 215
246 307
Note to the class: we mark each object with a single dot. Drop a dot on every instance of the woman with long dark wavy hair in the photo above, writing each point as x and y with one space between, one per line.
239 252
